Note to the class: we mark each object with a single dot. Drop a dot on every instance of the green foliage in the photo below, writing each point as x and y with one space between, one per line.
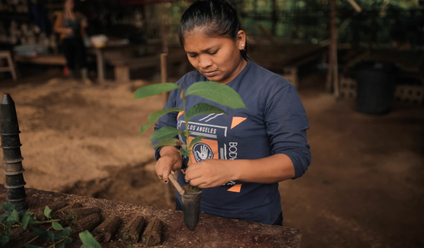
7 207
4 239
184 152
88 240
165 133
219 93
12 219
203 109
171 142
153 117
27 220
47 212
56 226
195 140
154 89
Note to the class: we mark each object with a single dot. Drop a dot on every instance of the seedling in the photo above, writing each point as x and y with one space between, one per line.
167 136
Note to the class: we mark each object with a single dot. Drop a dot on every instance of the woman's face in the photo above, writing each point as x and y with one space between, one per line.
69 4
217 58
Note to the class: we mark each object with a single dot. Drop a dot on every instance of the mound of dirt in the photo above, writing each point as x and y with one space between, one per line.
84 140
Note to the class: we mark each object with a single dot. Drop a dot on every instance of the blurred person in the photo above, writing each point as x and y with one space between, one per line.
71 27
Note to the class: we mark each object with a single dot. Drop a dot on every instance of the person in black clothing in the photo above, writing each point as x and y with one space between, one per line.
71 26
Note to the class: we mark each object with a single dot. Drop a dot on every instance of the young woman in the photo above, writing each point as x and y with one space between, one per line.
71 26
244 155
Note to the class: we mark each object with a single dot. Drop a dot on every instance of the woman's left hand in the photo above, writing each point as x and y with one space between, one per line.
209 173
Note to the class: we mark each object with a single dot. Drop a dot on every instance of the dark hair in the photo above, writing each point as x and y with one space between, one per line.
219 18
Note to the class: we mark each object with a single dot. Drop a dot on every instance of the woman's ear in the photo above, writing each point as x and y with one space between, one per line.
241 40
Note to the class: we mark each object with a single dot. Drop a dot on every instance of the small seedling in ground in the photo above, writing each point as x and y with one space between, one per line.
59 236
166 136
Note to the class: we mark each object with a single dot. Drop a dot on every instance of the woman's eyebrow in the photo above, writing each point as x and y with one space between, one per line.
205 50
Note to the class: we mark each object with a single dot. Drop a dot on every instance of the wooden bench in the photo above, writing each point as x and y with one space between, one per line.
42 59
286 58
10 66
123 66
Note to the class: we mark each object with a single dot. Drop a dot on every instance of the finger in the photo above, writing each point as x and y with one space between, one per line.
158 170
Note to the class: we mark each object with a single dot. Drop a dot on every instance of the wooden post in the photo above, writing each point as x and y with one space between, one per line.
164 71
100 65
164 67
332 74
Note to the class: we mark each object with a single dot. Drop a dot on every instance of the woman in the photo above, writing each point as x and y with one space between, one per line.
71 26
244 155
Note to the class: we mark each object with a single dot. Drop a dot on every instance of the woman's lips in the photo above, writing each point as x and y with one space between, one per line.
210 73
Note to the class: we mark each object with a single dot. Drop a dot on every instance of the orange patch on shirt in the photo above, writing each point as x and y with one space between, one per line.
236 121
236 188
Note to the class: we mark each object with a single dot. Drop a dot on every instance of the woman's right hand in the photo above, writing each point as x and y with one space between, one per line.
170 160
69 31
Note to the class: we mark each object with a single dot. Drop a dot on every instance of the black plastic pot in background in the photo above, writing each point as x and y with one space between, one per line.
375 86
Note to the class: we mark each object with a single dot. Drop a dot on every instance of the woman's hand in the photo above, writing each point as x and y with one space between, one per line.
69 31
210 173
170 160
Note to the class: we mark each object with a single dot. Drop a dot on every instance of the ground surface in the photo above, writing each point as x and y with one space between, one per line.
211 231
365 186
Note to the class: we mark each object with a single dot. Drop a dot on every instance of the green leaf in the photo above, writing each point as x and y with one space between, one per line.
40 232
62 245
171 142
56 226
7 207
88 240
203 109
68 241
3 217
4 239
195 140
67 231
219 93
25 220
154 89
21 214
153 117
47 212
165 133
51 235
8 223
184 152
14 217
32 221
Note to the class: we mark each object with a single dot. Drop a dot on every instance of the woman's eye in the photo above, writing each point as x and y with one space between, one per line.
213 53
192 55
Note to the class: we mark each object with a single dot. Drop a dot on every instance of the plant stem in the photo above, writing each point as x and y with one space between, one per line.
47 221
36 237
187 133
60 241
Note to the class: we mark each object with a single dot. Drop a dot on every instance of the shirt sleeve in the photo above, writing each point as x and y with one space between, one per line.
287 123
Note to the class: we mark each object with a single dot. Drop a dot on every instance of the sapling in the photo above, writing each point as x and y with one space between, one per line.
167 135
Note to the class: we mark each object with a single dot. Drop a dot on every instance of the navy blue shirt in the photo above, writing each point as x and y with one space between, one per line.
274 122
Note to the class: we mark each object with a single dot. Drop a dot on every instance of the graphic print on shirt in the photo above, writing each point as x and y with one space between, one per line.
209 147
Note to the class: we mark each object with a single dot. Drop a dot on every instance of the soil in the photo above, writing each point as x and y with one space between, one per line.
364 187
164 228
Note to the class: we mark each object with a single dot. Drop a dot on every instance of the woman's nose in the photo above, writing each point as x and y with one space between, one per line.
204 61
